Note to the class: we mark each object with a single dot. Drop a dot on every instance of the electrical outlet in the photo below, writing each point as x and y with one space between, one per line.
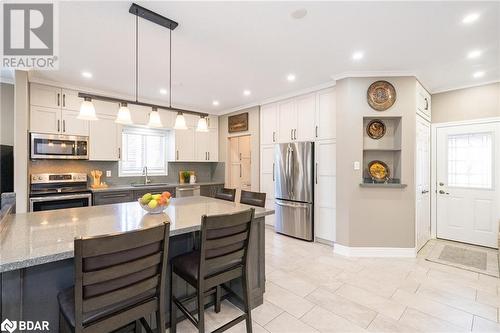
108 173
357 165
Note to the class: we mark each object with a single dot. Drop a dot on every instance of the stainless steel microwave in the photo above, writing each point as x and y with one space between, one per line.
64 147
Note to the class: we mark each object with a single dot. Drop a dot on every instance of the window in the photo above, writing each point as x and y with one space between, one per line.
470 158
143 147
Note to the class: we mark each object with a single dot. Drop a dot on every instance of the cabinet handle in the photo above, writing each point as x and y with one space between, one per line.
316 174
58 99
177 155
64 126
240 170
316 131
291 134
426 103
119 153
58 125
240 156
209 156
295 134
274 136
273 171
64 100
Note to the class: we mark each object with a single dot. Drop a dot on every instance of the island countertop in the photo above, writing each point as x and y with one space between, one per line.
35 238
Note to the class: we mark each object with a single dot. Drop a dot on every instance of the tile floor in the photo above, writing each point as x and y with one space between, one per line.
310 289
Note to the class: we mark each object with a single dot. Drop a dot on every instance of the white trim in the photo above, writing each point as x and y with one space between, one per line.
345 75
467 122
391 252
465 86
295 93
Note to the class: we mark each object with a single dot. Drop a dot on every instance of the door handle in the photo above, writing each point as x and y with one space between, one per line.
64 100
426 103
58 99
119 153
316 174
273 171
291 134
274 136
58 125
240 156
425 191
316 131
443 192
64 125
441 184
240 170
295 134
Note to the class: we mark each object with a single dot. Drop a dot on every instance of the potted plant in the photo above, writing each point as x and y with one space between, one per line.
186 175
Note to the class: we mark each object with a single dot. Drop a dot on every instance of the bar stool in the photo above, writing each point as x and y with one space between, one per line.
228 194
223 256
253 198
119 279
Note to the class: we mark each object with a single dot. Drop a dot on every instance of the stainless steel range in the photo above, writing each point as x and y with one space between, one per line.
58 191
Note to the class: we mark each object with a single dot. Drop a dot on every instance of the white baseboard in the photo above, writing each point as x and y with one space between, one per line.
395 252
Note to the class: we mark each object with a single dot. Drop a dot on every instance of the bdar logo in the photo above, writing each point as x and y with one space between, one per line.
9 326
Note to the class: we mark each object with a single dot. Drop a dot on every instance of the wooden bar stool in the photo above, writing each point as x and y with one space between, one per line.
119 280
228 194
222 257
253 198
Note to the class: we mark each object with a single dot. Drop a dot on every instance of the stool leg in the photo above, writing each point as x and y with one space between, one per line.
201 310
218 295
173 313
246 299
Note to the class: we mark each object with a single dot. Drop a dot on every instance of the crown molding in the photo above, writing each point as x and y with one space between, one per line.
345 75
474 85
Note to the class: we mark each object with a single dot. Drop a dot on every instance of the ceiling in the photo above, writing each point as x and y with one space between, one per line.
223 48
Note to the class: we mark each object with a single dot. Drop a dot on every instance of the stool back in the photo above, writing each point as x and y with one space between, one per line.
228 194
125 272
224 246
253 198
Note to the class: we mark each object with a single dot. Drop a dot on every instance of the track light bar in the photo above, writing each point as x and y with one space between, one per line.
119 100
152 16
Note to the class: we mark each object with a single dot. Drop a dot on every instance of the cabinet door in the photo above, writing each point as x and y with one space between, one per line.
325 117
112 197
325 198
71 125
202 145
287 120
167 118
423 102
139 114
46 96
213 146
267 178
184 145
191 120
104 139
269 124
70 100
213 122
45 120
306 118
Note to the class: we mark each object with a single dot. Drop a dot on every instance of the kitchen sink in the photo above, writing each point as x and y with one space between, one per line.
148 185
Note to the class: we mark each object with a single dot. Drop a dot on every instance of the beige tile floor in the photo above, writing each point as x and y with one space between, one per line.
310 289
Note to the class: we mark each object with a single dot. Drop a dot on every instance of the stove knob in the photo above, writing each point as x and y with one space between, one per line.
34 177
39 178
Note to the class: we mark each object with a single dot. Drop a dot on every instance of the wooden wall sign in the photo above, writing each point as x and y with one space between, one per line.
237 123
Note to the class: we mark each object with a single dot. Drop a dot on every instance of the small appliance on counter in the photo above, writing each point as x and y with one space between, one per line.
63 147
58 191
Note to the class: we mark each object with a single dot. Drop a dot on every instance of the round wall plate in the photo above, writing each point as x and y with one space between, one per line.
375 129
379 171
381 95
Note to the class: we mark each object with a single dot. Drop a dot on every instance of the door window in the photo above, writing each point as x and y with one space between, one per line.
470 158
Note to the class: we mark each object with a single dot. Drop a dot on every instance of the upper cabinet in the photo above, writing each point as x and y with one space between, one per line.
305 118
423 102
54 110
269 124
325 128
287 121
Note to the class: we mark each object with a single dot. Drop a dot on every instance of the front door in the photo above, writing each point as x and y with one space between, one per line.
467 183
423 181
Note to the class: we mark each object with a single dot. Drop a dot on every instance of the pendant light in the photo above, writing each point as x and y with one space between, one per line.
87 110
202 125
123 117
154 118
180 122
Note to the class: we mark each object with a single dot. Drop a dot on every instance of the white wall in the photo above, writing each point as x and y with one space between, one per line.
21 121
253 131
6 114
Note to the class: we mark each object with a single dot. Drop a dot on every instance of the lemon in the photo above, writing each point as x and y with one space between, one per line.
152 204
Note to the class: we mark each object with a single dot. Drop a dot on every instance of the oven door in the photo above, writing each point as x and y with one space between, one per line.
48 146
60 201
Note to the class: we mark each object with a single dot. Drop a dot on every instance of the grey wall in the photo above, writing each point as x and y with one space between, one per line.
374 217
6 114
253 131
466 104
205 172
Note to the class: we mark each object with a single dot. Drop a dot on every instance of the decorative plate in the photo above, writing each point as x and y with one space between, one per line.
375 129
381 95
379 171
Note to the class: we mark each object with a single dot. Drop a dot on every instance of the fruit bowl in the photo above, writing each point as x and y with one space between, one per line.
157 210
154 203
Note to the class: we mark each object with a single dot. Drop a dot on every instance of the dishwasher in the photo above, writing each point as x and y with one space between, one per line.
187 191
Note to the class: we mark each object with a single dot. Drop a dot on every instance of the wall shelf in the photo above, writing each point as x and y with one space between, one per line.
386 185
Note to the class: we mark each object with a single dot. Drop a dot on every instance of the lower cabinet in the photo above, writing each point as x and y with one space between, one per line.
141 192
325 189
112 197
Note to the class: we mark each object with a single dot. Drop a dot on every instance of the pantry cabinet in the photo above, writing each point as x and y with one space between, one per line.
305 118
267 177
325 128
269 124
423 102
287 121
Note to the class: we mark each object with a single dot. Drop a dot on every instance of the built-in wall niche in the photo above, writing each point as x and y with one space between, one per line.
382 142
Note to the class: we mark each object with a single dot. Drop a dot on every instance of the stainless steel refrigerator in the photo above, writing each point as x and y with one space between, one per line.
294 189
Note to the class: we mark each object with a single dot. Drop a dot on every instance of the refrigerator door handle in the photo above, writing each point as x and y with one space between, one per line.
291 166
290 204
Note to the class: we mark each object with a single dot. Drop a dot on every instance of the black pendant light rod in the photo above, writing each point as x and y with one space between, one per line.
136 57
152 16
170 72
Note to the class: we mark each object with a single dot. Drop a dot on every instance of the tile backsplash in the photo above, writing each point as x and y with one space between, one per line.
205 172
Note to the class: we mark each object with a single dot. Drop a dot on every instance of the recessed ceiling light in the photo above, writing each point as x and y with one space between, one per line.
357 55
470 18
215 103
474 54
163 91
478 74
299 13
290 77
87 75
247 92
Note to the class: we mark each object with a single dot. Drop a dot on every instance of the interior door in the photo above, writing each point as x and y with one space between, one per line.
467 183
423 175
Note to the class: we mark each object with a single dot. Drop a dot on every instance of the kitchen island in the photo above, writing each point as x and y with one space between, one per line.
36 249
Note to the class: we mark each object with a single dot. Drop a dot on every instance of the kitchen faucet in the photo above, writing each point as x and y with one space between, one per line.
145 174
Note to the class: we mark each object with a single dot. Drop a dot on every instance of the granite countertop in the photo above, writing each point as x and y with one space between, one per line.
163 185
35 238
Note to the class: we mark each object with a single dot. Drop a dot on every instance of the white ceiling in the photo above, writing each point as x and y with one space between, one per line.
222 48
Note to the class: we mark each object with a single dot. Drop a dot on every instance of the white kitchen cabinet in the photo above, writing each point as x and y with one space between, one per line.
213 146
139 114
267 178
71 125
45 96
184 145
104 139
213 122
325 115
45 120
167 118
287 120
423 102
202 145
70 100
325 192
269 124
306 120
